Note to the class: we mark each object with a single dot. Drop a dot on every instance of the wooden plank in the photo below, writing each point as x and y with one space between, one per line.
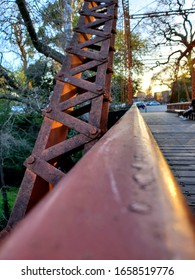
185 167
189 181
185 173
178 162
177 143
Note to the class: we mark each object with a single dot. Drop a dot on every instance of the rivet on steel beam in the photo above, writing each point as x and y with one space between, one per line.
48 110
104 58
94 131
30 160
69 49
67 80
107 34
99 88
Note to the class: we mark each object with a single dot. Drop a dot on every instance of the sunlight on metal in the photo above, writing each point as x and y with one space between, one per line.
120 201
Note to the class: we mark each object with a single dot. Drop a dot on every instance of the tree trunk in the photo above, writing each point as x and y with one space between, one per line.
39 46
186 90
67 17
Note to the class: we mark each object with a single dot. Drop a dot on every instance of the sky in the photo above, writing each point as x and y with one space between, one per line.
140 7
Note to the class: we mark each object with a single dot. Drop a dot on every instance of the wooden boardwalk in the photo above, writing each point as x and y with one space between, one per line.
176 138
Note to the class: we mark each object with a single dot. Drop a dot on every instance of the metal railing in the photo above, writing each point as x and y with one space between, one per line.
179 106
120 201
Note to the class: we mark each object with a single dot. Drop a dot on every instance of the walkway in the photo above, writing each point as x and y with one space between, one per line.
176 138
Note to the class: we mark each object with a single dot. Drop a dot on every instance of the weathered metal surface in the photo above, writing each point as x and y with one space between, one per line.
120 201
128 51
83 78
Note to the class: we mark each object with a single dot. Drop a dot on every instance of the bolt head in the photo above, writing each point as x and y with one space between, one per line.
30 160
99 88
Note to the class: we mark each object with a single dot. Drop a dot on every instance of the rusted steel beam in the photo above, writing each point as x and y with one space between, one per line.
120 201
128 51
82 87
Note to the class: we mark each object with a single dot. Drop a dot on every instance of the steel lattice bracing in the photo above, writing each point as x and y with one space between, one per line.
83 86
128 51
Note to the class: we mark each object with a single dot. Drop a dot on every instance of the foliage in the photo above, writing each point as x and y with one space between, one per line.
139 48
173 36
180 88
18 133
11 194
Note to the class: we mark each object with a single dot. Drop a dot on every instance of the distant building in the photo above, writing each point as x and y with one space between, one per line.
166 96
141 95
163 96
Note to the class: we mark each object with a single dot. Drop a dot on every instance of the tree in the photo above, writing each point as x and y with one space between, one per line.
139 48
58 15
176 32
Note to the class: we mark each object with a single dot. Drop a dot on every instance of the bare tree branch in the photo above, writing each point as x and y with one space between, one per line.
21 100
8 79
40 46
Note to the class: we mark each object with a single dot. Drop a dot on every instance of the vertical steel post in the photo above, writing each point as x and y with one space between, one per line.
128 55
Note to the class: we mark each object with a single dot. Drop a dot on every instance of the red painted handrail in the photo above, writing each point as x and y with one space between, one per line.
182 106
120 201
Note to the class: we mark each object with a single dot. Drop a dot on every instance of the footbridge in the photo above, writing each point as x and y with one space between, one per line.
131 196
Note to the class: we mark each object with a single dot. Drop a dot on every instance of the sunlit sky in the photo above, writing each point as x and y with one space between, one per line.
136 7
140 7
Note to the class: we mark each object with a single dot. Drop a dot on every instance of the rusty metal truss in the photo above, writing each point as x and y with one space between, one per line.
80 104
128 51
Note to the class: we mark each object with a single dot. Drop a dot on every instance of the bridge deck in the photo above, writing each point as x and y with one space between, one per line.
176 138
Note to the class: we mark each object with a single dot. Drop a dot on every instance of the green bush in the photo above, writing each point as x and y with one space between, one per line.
11 194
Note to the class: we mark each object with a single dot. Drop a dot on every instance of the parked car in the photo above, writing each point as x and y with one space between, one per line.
153 103
140 104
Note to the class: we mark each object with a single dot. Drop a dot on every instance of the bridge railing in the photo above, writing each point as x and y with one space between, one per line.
120 201
171 107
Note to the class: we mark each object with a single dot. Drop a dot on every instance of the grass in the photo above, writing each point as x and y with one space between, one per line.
11 194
